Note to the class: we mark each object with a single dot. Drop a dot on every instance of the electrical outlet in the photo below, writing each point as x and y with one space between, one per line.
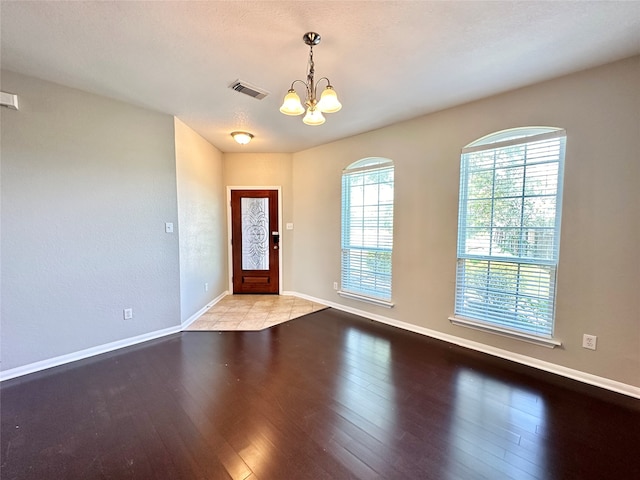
589 341
206 287
128 313
335 285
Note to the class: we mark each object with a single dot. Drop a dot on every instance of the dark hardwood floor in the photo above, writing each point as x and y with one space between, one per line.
326 396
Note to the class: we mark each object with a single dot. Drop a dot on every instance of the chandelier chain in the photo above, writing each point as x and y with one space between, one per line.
311 94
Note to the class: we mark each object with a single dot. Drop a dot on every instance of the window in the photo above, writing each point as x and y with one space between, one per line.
367 230
509 231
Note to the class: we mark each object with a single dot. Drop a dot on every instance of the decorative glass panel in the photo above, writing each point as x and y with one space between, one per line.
255 233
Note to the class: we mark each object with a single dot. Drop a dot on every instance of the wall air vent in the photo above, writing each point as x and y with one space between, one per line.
248 89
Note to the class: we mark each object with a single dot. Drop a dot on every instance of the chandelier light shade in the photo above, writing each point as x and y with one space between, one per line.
291 104
313 117
328 101
242 137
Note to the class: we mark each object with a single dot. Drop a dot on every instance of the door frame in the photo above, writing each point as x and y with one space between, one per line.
229 231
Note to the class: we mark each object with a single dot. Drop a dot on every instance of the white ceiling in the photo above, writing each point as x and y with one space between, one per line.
388 60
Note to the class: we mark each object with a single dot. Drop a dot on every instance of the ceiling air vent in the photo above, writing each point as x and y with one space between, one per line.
248 89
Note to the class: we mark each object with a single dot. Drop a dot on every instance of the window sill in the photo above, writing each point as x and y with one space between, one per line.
362 298
525 337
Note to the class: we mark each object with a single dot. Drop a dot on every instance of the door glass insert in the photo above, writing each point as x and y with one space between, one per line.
255 233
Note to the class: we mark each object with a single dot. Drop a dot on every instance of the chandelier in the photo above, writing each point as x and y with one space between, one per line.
328 102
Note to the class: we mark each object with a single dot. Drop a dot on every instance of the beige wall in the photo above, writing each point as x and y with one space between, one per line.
88 182
599 271
87 186
202 221
272 170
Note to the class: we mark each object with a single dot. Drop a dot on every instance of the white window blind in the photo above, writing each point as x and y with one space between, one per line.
367 228
509 228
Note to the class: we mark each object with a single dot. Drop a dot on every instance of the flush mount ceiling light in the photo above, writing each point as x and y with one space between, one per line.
328 102
242 137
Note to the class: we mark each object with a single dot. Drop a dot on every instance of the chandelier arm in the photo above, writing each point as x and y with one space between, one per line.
315 87
324 78
301 81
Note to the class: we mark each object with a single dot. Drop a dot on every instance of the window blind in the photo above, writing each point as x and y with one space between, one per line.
367 229
508 230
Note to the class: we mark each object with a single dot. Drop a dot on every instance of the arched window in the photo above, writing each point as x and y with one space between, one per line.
367 230
509 232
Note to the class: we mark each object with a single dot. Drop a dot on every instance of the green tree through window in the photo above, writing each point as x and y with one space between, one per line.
509 226
367 228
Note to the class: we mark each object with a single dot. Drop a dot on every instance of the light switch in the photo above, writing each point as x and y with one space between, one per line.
168 227
289 226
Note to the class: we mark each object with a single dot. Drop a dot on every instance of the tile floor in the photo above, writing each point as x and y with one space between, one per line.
253 312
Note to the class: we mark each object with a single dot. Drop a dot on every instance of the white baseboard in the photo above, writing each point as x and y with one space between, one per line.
584 377
108 347
200 312
86 353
